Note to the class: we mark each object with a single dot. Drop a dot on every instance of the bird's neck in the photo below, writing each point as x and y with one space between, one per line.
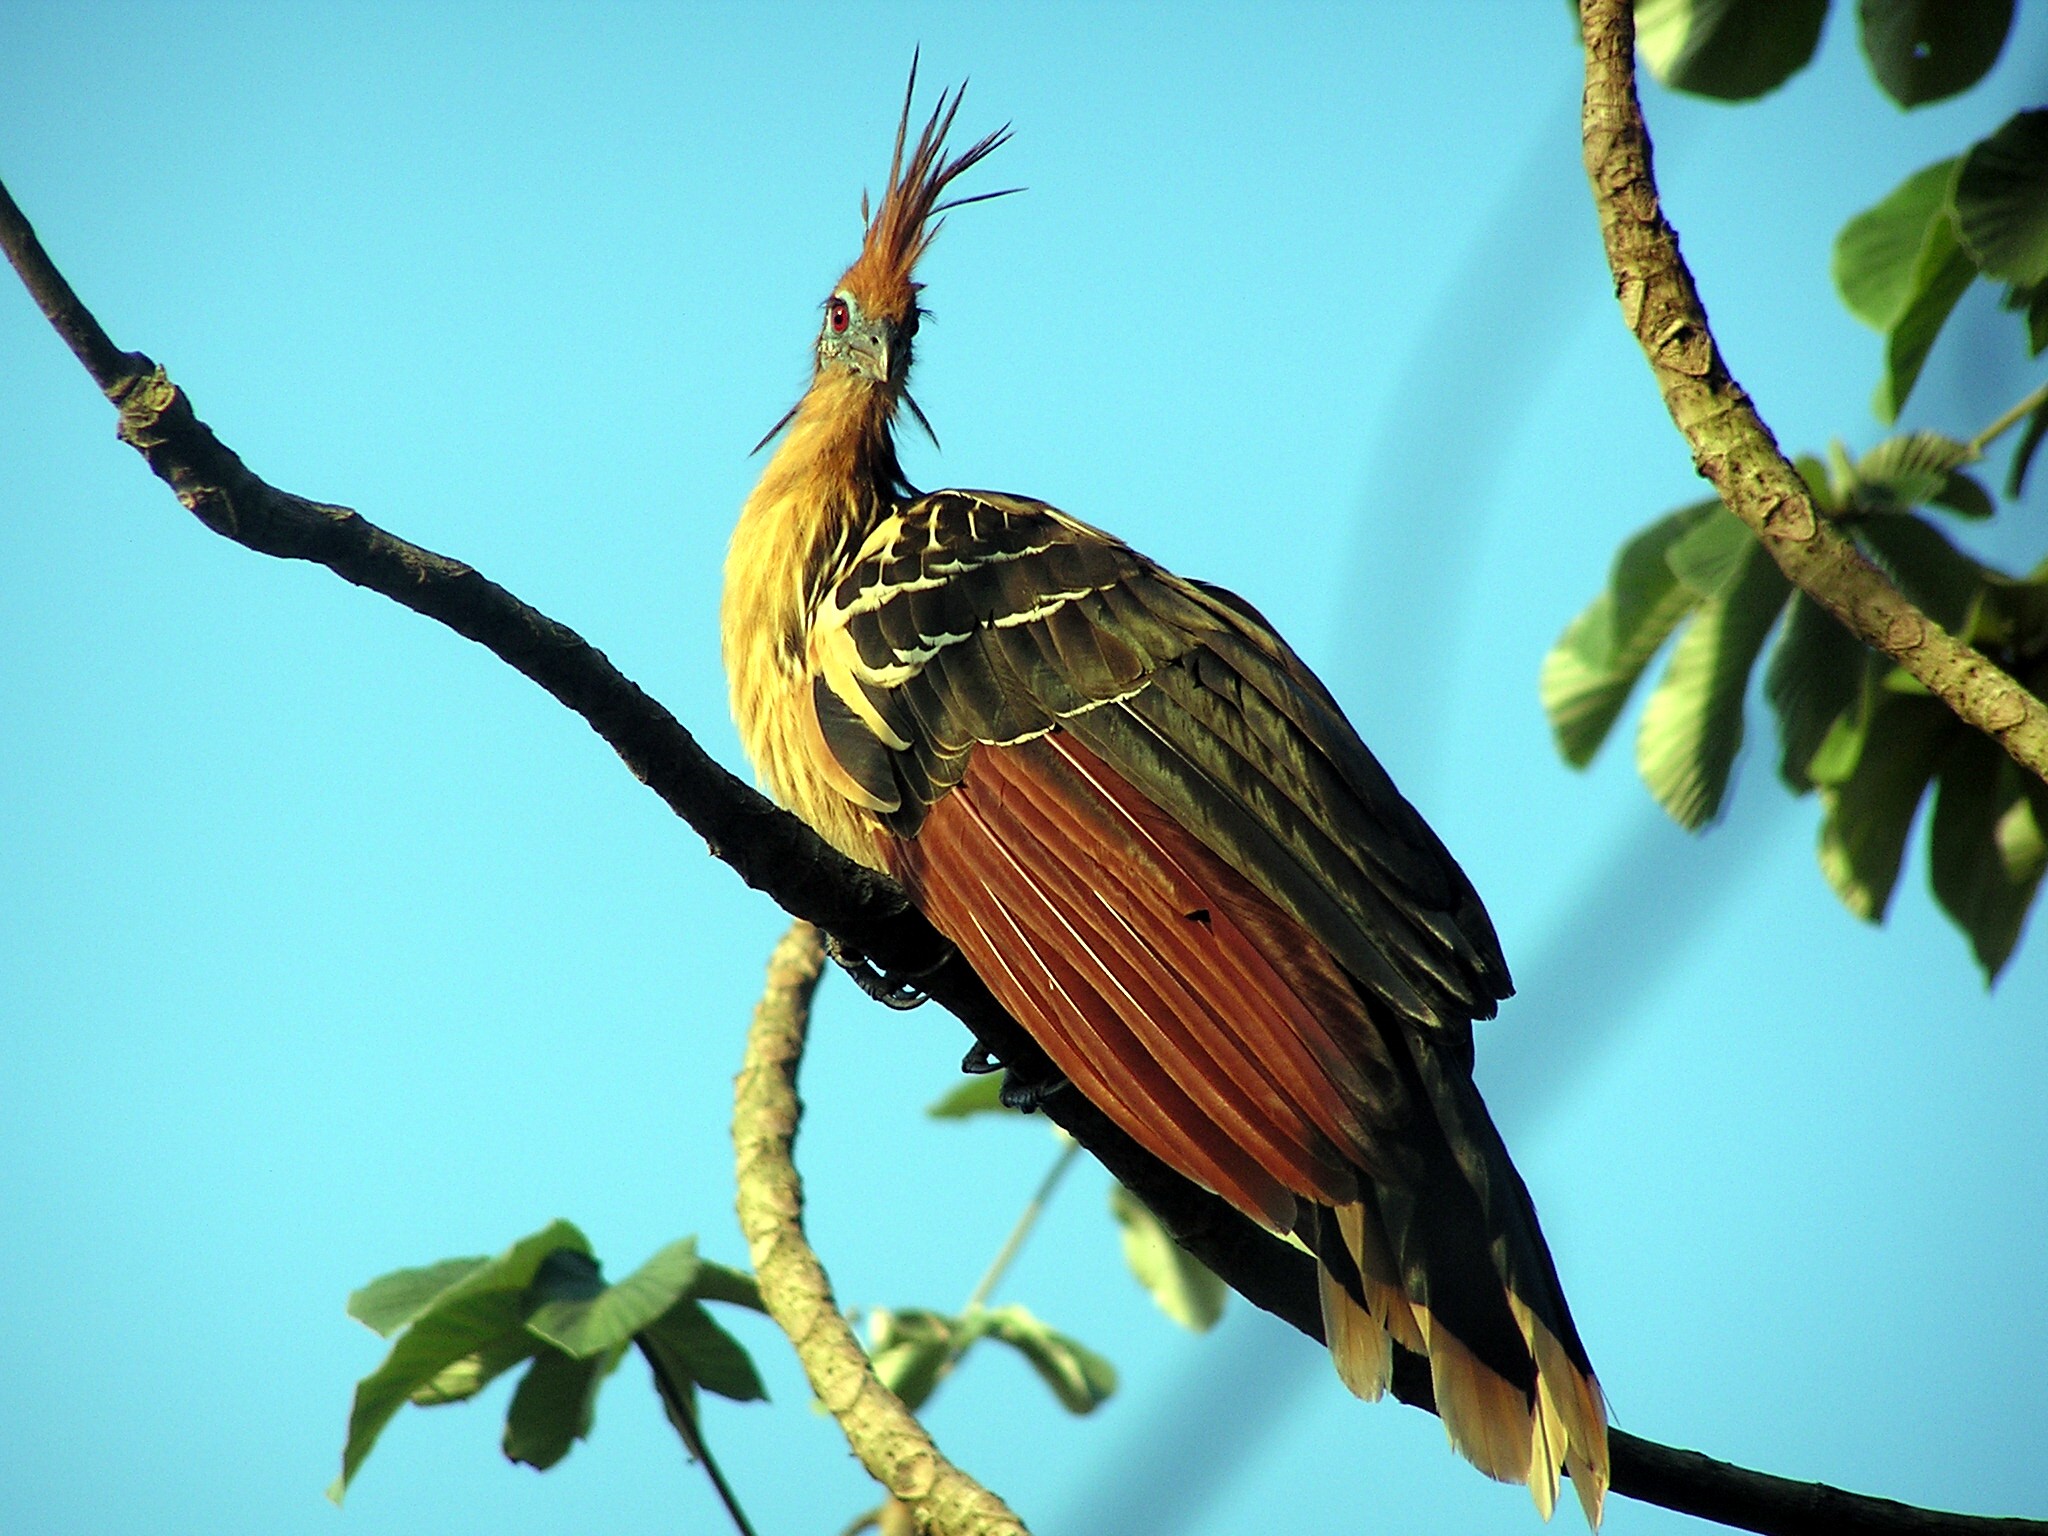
833 478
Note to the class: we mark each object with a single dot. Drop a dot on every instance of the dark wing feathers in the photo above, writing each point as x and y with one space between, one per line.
1150 828
983 619
1523 1259
1296 792
1102 663
1307 703
857 749
1241 814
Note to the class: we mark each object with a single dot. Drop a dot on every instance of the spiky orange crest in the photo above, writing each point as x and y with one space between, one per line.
902 228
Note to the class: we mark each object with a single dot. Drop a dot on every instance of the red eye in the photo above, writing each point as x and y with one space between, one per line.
837 316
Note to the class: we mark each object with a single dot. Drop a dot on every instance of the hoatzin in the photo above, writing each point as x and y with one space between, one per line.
1153 833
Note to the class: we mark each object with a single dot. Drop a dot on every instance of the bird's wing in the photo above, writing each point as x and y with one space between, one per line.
1155 836
971 620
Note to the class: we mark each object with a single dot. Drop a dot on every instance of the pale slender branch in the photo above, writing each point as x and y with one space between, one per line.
1014 1244
775 853
1730 444
884 1434
2007 422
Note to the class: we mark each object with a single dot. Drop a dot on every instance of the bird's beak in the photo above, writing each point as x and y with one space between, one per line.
869 351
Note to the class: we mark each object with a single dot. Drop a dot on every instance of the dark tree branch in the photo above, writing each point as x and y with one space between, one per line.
775 853
884 1434
1730 444
81 331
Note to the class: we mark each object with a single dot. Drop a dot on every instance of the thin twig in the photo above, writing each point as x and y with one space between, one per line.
774 852
1014 1244
2007 422
1730 444
675 1401
884 1434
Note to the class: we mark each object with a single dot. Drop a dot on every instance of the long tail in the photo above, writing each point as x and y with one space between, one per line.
1452 1265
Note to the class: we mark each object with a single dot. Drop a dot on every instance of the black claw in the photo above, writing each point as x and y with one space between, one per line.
1026 1092
1027 1084
891 989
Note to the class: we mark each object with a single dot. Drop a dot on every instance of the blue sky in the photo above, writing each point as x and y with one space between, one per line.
328 945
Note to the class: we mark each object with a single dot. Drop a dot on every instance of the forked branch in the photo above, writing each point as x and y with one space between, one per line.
774 852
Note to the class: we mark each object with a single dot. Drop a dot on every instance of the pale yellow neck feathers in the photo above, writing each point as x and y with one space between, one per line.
831 481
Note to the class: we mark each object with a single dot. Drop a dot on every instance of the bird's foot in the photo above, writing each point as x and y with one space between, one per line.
1026 1085
892 989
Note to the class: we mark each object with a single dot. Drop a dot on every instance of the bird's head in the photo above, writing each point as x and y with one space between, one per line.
871 318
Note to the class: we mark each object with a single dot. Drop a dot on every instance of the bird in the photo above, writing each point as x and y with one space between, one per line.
1152 832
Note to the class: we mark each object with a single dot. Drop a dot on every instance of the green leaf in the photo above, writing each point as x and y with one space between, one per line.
1730 49
1692 725
1942 581
2001 201
391 1301
1900 268
1818 485
981 1094
1877 252
1905 471
464 1378
1081 1379
678 1396
2022 831
1924 50
589 1325
1869 814
554 1406
913 1349
566 1275
1709 556
2023 454
1841 473
694 1347
735 1287
1816 677
1185 1288
1964 494
2013 617
1842 748
2032 305
466 1318
1942 273
1590 672
1985 851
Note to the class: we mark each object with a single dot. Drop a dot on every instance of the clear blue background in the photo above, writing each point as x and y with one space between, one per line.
328 944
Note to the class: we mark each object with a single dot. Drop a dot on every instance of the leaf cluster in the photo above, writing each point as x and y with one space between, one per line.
1901 265
914 1350
543 1302
459 1324
1920 51
1852 727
